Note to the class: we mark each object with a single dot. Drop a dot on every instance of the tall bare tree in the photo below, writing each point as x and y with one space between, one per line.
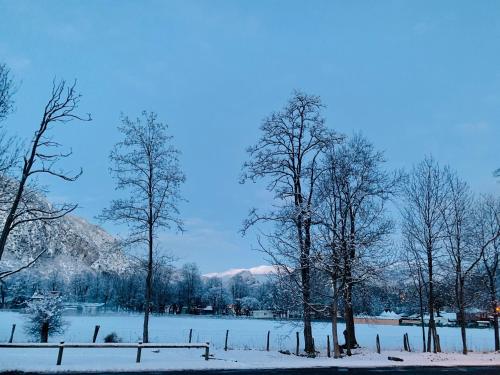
287 156
487 237
354 192
9 146
7 90
20 197
463 257
423 225
146 166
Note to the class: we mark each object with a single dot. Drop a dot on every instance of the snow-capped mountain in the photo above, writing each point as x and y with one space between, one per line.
259 272
72 245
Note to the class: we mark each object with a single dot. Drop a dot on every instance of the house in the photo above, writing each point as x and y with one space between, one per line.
411 320
442 318
472 315
207 310
483 324
262 314
40 296
385 318
87 308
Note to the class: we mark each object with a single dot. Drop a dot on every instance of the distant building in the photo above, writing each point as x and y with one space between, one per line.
443 318
262 314
39 296
87 308
411 320
387 317
208 310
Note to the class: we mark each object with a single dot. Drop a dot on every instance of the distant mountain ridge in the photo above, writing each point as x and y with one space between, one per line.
72 245
259 272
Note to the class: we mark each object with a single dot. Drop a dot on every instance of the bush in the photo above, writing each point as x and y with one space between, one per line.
112 337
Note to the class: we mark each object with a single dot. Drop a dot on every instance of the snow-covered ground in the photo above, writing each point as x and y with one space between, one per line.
246 340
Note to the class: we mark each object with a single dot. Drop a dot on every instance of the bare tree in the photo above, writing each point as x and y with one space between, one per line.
9 146
463 257
7 91
487 238
146 166
20 197
353 194
423 226
287 155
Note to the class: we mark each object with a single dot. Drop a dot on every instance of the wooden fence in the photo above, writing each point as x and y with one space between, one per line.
139 346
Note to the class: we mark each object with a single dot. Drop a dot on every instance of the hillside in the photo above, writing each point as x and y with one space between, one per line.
72 245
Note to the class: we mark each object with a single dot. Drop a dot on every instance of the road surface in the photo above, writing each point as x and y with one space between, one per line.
476 370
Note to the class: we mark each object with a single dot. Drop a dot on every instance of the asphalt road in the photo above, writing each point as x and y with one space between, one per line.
478 370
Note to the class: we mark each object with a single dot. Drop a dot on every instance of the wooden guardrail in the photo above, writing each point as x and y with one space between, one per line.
139 346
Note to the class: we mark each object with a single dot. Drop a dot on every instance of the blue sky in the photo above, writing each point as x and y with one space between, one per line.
416 78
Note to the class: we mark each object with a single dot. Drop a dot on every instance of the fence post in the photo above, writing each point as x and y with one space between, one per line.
297 348
96 331
438 341
190 334
139 350
12 333
377 341
328 353
405 346
267 344
60 353
207 351
225 343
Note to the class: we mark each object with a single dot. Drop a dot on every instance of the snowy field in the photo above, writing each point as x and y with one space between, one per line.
247 338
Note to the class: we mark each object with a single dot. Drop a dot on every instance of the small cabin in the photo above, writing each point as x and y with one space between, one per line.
262 314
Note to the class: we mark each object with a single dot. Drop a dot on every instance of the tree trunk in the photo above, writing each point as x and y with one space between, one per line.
309 344
462 331
149 287
461 307
495 329
306 295
303 230
421 302
432 332
351 341
493 301
2 292
335 336
44 332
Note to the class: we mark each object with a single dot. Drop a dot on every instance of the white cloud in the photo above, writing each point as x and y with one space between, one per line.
474 127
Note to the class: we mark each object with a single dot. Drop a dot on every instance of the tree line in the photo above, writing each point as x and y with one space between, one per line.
335 216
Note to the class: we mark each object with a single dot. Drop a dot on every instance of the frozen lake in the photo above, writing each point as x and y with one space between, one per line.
244 333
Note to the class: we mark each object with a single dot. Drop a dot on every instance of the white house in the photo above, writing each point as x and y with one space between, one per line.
262 314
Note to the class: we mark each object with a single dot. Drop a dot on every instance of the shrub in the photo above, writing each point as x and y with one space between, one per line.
44 316
112 337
